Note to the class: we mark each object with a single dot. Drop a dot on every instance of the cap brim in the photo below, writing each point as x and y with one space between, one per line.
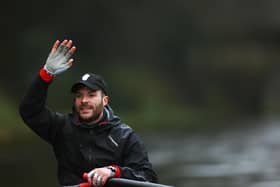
77 85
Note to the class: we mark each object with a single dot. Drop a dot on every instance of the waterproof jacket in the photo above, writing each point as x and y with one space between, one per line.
79 147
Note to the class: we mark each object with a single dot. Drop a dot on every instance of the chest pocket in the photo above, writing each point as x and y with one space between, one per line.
107 150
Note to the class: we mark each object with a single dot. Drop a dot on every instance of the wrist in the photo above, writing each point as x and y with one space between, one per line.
45 75
116 172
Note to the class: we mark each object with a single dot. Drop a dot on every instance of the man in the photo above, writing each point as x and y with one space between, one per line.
90 138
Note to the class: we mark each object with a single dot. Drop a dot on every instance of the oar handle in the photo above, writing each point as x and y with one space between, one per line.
121 182
85 184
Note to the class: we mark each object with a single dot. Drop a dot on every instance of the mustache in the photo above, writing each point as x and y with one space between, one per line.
85 106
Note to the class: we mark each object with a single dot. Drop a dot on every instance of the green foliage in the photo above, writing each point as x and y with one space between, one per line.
9 114
186 65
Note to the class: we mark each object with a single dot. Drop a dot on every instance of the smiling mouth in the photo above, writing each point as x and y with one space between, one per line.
85 109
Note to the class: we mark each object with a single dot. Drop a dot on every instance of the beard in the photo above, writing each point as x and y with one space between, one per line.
93 112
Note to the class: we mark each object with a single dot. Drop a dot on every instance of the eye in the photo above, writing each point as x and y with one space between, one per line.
78 95
92 94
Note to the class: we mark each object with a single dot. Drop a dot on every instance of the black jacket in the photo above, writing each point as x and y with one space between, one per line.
80 148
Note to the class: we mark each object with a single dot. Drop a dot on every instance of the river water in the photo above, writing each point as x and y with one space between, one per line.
245 156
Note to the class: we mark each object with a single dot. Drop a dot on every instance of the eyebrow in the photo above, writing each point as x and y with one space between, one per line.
88 91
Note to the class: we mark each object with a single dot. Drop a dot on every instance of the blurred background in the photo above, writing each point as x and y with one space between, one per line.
198 80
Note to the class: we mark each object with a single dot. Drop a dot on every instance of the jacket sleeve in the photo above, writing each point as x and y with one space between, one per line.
136 165
36 115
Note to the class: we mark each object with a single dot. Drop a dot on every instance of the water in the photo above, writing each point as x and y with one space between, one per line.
245 156
234 157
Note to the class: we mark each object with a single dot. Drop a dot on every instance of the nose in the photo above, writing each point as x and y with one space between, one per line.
84 99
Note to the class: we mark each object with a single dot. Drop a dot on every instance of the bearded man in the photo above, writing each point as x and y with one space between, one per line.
90 138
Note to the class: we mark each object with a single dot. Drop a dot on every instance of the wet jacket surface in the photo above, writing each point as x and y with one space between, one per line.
79 147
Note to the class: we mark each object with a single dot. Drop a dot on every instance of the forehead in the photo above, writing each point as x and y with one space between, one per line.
86 89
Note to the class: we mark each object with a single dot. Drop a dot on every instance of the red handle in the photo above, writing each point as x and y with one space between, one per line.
85 176
85 184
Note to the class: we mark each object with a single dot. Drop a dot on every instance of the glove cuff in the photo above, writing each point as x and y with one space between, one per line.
45 75
115 170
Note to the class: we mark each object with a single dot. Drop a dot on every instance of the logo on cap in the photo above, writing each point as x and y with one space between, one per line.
85 77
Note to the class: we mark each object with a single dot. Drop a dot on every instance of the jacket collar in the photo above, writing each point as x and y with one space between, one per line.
108 119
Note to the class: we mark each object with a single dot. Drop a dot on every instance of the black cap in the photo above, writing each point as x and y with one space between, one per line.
92 81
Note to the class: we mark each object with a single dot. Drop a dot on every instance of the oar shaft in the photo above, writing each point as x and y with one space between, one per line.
120 182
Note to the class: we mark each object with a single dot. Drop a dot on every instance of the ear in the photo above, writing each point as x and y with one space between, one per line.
105 100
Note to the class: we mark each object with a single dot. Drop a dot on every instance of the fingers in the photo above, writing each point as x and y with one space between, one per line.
72 50
65 42
99 181
55 46
65 47
68 44
70 62
98 177
91 176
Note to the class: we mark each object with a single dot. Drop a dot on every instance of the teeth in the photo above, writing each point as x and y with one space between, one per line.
85 108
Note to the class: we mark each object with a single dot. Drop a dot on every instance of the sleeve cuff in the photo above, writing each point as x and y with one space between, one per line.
118 171
45 76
